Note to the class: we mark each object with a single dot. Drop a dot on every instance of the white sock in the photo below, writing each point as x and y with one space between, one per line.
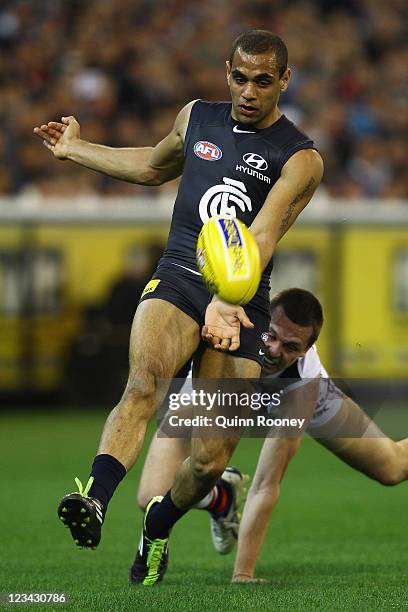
207 500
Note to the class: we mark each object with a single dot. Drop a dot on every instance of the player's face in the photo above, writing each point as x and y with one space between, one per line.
255 88
285 342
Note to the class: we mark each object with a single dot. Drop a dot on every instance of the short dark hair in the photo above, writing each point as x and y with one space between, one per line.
302 308
256 42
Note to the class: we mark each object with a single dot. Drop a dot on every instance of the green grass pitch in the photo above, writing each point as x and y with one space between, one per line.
338 541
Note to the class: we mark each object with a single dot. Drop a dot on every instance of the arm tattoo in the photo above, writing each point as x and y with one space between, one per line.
292 205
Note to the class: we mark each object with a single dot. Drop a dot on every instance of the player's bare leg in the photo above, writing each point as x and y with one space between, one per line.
162 339
371 451
164 457
162 461
194 479
210 456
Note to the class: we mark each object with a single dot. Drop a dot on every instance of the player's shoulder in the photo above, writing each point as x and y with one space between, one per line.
310 365
204 111
286 139
286 133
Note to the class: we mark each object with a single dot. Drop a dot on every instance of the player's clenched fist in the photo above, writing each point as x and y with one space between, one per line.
57 137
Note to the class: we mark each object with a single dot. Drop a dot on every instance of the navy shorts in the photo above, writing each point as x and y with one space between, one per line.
186 290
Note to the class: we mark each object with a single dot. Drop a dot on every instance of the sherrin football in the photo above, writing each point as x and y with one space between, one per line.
228 258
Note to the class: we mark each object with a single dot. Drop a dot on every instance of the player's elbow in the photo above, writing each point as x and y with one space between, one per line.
265 482
155 179
316 161
141 172
265 491
147 176
266 243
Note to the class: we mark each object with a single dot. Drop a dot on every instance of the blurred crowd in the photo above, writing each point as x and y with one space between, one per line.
125 67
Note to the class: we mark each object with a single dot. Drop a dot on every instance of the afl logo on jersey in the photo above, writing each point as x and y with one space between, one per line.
207 150
255 161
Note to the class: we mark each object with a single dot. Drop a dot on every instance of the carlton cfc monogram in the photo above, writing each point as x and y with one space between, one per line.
222 200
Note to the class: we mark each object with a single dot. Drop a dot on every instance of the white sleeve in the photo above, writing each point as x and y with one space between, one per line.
310 365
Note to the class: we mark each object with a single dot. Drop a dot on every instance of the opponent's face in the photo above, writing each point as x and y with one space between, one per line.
255 88
285 342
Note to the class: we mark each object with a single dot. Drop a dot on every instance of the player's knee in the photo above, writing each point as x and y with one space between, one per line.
141 390
387 470
206 470
139 399
388 475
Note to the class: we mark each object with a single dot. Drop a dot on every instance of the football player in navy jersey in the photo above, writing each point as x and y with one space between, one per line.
243 158
331 417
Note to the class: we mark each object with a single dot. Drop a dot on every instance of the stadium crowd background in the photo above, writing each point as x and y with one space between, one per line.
125 68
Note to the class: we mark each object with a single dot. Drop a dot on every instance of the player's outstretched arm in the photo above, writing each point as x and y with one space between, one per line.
143 165
262 498
299 401
300 177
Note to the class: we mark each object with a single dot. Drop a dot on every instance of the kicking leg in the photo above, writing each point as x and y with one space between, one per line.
162 339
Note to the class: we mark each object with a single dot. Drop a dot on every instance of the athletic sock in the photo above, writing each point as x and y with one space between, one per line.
162 517
222 501
107 472
208 500
218 500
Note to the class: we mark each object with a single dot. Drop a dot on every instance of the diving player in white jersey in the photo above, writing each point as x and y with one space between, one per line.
333 418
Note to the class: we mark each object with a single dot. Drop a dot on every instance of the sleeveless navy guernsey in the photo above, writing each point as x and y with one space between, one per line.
229 169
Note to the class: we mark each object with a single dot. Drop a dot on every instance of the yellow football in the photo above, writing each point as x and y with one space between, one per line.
228 258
